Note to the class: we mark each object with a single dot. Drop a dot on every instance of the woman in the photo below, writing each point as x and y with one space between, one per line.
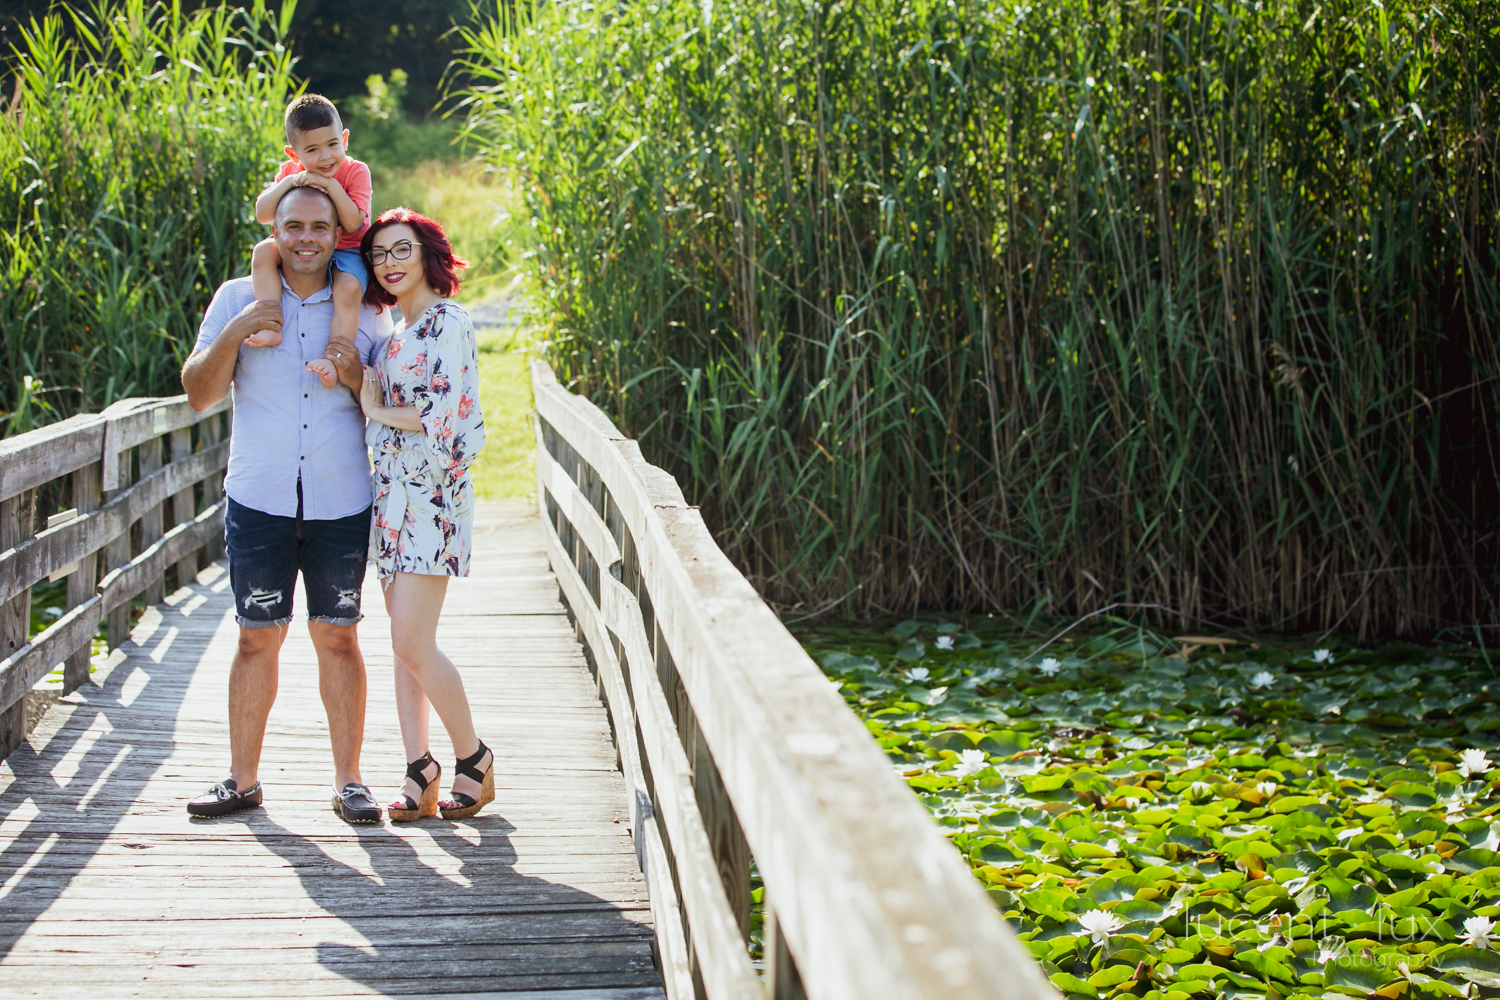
422 402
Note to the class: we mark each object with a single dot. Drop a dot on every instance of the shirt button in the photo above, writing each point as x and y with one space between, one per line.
304 427
304 395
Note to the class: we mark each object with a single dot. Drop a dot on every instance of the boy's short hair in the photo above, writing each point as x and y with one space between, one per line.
308 112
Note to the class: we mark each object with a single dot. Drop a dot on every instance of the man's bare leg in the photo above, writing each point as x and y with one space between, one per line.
341 681
252 692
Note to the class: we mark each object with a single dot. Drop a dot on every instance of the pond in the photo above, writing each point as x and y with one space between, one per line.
1203 816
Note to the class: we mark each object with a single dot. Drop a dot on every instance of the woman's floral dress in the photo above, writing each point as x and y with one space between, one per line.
424 501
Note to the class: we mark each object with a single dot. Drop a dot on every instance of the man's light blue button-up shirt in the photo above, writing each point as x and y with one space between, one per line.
286 425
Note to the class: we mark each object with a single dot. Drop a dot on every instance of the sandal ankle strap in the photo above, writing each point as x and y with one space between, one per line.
416 769
468 766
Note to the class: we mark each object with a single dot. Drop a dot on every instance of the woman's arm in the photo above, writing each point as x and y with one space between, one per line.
403 418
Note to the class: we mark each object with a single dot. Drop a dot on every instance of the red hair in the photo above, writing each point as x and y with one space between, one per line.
439 262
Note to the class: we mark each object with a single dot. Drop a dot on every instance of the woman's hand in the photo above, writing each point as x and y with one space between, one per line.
372 402
369 393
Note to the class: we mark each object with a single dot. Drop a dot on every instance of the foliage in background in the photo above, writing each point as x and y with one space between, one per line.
990 304
506 468
383 135
1266 822
130 152
338 44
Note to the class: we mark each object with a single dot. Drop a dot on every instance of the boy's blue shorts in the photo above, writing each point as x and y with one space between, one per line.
350 262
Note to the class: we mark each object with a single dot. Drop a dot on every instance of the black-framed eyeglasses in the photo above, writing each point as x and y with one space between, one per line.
400 251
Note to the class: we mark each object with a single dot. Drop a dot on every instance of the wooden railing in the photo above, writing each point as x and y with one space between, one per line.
735 747
131 513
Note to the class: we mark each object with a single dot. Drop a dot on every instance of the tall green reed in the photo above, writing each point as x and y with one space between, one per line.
965 304
130 152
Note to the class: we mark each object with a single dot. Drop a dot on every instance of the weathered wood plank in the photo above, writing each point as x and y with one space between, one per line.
182 507
81 581
871 899
36 457
108 888
29 561
673 950
17 516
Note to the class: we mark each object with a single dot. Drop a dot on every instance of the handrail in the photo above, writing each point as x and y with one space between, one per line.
734 746
116 479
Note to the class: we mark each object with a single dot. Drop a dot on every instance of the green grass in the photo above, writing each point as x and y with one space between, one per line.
987 304
1269 820
506 468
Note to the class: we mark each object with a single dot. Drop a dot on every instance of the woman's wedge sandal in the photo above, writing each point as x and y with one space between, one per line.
427 805
468 767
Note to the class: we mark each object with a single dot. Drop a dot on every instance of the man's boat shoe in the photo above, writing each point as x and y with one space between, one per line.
356 804
223 799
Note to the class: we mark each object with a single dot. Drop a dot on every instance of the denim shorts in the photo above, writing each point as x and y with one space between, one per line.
266 552
350 262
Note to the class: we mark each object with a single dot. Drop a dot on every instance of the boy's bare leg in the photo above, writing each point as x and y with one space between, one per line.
265 278
346 299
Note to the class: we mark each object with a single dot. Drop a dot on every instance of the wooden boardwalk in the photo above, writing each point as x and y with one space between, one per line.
107 888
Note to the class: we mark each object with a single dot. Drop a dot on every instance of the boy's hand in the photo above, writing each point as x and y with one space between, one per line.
309 179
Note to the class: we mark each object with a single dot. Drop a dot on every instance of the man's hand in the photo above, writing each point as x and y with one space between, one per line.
252 319
345 358
209 373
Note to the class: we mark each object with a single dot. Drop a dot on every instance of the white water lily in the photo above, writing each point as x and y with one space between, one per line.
1264 679
1049 666
1322 656
1332 951
944 642
1200 790
1492 842
970 762
1266 788
1472 762
1349 832
1130 803
918 673
1100 924
1477 932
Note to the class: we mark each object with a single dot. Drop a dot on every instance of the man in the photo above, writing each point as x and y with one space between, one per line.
299 496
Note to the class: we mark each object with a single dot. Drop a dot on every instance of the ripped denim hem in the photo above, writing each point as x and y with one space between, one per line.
257 623
336 621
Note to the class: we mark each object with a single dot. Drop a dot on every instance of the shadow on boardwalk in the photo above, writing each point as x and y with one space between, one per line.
107 888
61 803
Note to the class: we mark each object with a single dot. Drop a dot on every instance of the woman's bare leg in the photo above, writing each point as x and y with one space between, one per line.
415 601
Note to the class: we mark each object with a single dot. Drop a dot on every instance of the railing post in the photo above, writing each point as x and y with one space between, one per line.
209 434
181 442
82 580
117 554
151 527
782 979
17 523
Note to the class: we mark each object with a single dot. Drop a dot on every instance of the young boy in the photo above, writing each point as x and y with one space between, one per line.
316 141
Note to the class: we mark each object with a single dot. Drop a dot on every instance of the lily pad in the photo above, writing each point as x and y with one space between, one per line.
1474 964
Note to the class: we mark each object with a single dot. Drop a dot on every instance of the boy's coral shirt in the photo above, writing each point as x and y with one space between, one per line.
355 178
